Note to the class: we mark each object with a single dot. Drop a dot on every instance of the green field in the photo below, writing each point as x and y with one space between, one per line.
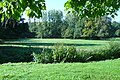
103 70
48 43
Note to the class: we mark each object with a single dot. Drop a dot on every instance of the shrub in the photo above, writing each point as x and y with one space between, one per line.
44 57
71 54
113 50
83 56
61 53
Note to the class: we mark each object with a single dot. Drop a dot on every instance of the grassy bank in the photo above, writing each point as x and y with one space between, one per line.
103 70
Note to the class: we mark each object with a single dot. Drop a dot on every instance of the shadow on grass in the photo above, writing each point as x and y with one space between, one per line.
51 44
9 53
17 54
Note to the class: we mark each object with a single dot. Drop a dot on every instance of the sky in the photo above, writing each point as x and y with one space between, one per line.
55 4
59 5
117 18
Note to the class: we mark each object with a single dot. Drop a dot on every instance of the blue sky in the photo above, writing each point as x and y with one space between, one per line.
117 18
55 4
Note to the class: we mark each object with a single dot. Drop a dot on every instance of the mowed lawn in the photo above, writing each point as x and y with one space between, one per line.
103 70
48 43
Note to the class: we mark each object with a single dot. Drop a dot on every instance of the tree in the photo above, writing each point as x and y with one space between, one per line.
104 27
88 30
15 8
44 25
93 8
55 19
79 24
97 28
70 20
117 33
33 8
50 24
13 29
116 28
69 33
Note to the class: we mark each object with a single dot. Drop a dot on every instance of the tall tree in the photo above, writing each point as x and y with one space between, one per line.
78 28
98 27
71 20
55 19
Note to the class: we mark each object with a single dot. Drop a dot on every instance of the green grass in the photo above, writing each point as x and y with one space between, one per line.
103 70
78 43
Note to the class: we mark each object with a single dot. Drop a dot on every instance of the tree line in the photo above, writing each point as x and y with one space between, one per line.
13 29
54 24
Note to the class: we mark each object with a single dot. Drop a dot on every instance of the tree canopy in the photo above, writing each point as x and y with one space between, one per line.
93 8
33 8
15 8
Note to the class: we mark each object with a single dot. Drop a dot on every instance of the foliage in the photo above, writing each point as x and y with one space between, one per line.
54 25
21 50
54 20
114 49
15 8
93 8
12 29
63 54
58 54
87 8
71 54
117 32
98 27
44 57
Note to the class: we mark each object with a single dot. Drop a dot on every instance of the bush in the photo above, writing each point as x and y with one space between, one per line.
61 53
44 57
113 50
71 54
83 56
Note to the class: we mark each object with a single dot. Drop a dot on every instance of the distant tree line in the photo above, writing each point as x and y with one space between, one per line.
53 24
